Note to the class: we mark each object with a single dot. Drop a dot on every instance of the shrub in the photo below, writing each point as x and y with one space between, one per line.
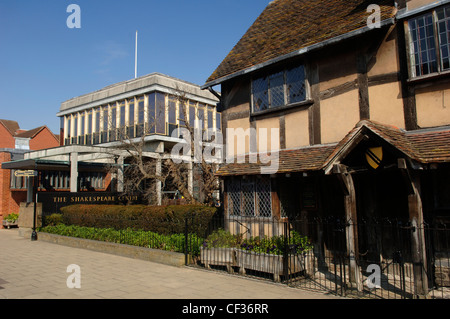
54 219
159 219
275 245
12 217
140 238
222 238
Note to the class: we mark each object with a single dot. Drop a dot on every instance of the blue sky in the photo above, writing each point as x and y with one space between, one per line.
44 63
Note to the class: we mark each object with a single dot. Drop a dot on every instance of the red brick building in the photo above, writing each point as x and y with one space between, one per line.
14 143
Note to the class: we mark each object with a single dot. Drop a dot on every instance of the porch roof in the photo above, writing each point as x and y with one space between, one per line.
49 165
425 146
289 161
431 146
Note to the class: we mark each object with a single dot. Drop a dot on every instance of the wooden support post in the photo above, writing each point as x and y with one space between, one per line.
351 218
418 250
276 209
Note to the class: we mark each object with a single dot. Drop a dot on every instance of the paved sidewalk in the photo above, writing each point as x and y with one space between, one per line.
38 270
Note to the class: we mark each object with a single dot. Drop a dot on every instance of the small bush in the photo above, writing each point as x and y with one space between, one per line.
54 219
159 219
147 239
12 217
222 238
275 245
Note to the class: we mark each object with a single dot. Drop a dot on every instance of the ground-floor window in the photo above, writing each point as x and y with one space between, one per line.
53 180
249 196
18 182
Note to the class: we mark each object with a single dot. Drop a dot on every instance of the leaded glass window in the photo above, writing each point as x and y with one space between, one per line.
429 46
279 89
249 197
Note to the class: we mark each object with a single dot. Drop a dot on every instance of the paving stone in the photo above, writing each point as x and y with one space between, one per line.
38 270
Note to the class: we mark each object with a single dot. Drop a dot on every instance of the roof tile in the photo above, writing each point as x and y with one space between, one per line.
424 146
286 26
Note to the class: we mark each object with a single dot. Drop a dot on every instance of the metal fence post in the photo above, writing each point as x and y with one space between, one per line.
285 253
186 248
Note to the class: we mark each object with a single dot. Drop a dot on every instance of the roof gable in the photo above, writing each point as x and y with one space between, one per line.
11 126
31 133
286 26
422 146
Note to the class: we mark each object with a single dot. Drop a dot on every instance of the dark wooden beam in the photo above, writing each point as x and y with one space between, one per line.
363 86
314 110
282 132
384 78
346 181
415 208
408 90
276 210
339 89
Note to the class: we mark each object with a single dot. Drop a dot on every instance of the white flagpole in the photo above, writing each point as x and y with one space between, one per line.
135 56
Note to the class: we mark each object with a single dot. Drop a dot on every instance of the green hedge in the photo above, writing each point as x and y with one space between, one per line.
158 219
147 239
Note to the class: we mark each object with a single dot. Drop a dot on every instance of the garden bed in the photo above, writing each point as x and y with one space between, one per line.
257 254
12 220
272 264
8 224
218 257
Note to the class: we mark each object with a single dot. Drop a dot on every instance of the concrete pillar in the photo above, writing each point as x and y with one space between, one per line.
158 182
30 189
191 178
120 167
74 172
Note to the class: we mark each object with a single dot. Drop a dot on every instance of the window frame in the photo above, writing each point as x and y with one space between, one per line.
437 45
104 123
89 127
68 130
130 120
286 104
254 184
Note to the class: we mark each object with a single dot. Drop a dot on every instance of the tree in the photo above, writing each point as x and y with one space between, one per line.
204 167
148 172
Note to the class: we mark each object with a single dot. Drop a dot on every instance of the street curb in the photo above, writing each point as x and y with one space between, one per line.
158 256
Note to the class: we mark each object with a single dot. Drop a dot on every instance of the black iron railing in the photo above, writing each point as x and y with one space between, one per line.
309 254
315 254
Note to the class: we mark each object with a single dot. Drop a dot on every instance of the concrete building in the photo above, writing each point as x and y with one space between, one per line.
95 127
147 106
14 143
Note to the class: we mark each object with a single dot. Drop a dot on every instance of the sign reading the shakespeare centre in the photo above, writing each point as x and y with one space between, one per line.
52 202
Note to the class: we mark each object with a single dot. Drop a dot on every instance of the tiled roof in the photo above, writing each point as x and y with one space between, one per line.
433 146
31 133
389 133
424 146
289 161
11 126
286 26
